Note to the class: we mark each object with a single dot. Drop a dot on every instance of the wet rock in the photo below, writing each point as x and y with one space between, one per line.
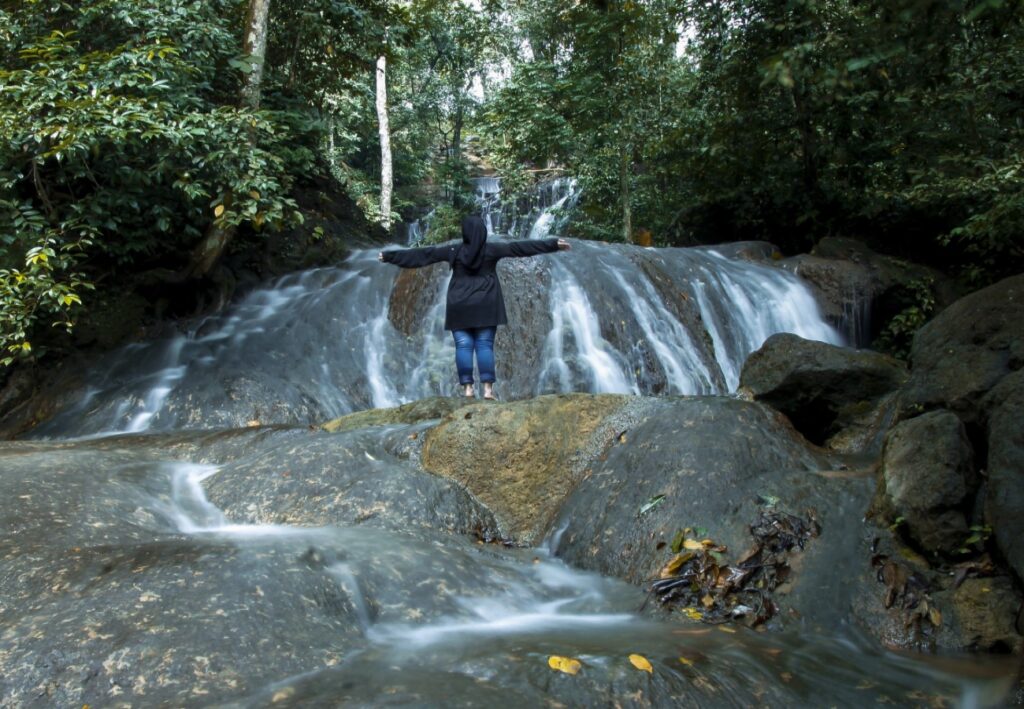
716 464
354 477
519 345
104 600
1004 502
858 289
522 459
822 388
980 616
962 353
413 412
750 250
414 293
909 604
686 311
175 623
927 479
865 427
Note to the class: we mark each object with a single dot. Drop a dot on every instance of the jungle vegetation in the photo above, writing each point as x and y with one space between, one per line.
147 138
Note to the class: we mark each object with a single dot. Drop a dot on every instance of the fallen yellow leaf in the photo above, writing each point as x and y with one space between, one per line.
707 601
692 545
674 564
686 661
640 662
725 629
692 613
564 664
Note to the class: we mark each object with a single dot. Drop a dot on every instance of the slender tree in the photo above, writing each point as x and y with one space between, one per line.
219 234
385 143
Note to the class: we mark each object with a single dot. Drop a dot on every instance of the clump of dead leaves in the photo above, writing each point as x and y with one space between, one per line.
697 580
910 591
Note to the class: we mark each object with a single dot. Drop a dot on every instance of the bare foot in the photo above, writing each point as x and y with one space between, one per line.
468 391
489 391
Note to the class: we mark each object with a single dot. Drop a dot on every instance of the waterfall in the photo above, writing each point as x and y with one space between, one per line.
323 343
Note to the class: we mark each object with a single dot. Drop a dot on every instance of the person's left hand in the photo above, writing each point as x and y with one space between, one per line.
564 245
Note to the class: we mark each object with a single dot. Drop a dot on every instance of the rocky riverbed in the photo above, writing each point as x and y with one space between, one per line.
845 528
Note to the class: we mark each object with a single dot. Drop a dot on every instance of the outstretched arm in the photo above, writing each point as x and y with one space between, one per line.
415 258
529 247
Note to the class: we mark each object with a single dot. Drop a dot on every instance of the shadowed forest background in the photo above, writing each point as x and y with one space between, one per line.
132 138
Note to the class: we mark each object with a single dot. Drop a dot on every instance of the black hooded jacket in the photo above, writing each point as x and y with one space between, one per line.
474 293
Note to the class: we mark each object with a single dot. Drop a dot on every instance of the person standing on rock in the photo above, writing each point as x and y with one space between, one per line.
475 306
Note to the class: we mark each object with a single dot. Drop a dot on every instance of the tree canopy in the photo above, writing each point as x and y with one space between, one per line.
124 139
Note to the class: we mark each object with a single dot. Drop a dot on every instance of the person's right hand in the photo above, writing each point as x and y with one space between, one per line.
380 256
564 245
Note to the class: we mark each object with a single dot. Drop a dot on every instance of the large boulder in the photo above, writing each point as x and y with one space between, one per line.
1004 505
822 388
928 479
858 289
353 477
713 465
960 355
523 459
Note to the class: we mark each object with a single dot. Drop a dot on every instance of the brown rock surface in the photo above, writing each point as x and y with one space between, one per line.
523 459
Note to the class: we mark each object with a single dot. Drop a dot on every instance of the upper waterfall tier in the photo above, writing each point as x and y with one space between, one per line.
319 344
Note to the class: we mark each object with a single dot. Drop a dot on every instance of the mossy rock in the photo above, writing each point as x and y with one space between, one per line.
523 459
414 412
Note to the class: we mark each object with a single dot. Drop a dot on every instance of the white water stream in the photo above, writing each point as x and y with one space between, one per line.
323 343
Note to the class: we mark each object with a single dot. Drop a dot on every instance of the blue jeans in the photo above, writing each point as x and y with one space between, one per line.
480 340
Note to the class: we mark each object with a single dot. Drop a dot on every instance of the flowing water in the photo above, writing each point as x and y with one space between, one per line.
320 344
422 618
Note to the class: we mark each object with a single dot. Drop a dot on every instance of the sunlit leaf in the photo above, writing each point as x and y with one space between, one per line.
674 564
640 662
564 664
218 210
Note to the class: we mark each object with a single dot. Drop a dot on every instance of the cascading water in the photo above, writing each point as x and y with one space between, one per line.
126 583
319 344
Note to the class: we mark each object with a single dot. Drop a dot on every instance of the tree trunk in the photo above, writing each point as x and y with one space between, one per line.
627 212
456 153
255 46
385 143
218 236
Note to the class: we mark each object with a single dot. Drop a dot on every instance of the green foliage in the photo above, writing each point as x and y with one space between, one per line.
445 225
123 141
47 285
779 119
898 334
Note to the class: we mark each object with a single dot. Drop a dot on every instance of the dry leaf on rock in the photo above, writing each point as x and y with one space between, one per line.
640 662
564 664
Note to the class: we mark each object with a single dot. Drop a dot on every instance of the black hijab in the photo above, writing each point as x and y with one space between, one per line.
474 238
